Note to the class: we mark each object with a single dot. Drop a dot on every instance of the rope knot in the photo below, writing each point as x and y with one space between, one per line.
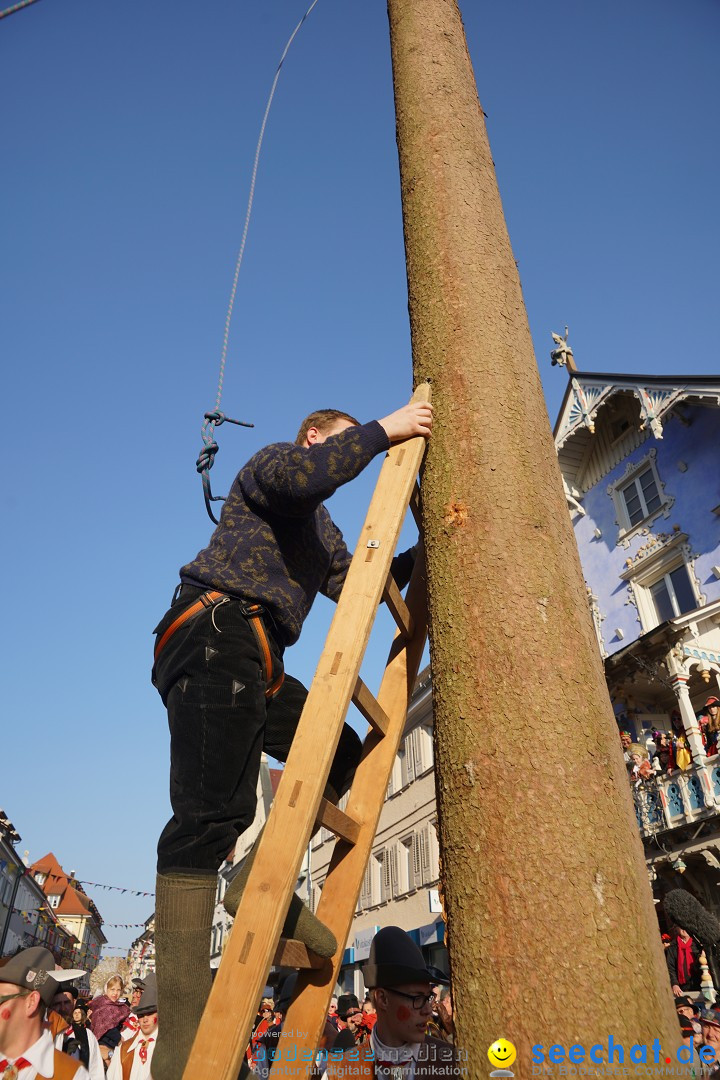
206 459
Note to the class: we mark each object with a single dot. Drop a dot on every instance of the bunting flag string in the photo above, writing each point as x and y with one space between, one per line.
122 925
115 888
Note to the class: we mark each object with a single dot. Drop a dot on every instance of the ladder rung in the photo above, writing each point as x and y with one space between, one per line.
398 607
337 821
371 709
295 954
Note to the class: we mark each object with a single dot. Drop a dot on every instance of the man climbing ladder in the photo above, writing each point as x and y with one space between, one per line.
218 667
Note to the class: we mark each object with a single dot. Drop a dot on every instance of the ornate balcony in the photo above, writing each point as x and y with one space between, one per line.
668 802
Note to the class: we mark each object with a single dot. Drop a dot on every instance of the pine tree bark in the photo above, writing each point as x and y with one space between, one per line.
552 932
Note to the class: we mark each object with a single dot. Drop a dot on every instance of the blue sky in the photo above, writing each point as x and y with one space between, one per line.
128 136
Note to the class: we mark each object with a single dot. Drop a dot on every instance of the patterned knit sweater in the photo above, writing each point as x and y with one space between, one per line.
276 544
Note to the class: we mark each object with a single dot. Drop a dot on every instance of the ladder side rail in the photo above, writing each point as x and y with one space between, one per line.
343 882
224 1031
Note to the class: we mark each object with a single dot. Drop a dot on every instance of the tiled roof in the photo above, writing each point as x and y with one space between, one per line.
72 900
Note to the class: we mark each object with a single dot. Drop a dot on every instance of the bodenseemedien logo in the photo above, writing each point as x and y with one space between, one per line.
501 1054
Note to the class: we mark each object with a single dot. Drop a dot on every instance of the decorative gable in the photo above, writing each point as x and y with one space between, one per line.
604 417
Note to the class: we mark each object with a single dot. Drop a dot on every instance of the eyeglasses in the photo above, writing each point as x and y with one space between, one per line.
418 1000
9 997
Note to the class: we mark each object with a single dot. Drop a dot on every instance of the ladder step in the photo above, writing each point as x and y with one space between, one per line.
398 607
370 708
337 821
295 954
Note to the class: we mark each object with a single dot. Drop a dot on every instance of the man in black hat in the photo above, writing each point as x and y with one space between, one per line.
400 989
355 1030
28 985
132 1059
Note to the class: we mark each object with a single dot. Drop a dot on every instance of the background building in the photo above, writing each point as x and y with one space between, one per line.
141 957
400 887
25 917
639 459
74 911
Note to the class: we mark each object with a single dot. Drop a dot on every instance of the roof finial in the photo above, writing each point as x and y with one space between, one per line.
563 354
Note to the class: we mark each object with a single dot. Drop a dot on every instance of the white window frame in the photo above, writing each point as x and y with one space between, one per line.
426 735
56 897
632 473
416 755
646 572
395 781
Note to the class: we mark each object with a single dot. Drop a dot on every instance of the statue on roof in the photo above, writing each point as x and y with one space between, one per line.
562 354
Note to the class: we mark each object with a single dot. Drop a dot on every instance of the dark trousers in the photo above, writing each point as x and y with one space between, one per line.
210 676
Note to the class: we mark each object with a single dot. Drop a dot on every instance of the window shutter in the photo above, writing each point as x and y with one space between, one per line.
424 856
386 876
416 860
409 758
418 750
366 891
393 857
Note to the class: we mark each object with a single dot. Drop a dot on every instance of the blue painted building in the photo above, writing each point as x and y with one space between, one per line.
639 457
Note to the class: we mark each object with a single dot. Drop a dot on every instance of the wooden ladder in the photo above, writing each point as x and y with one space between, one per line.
299 808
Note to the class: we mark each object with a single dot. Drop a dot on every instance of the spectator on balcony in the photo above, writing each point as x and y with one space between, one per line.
641 770
664 759
626 742
683 961
710 724
681 750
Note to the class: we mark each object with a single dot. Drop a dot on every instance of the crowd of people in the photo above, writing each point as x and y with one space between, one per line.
405 1017
349 1023
48 1028
699 1018
666 752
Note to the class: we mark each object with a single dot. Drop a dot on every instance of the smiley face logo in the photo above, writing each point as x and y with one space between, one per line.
501 1054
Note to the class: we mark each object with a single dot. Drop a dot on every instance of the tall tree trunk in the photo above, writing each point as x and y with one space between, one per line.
552 932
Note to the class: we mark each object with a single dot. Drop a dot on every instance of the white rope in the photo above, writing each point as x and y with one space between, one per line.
228 317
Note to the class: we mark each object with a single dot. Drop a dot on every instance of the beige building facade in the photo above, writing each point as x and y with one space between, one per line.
400 887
